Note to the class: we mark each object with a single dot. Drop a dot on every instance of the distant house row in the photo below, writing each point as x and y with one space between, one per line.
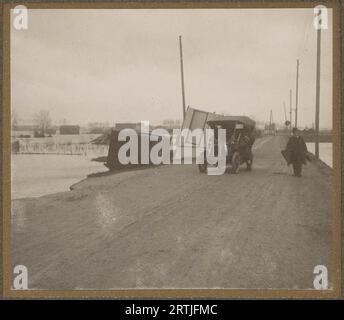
95 128
69 129
63 129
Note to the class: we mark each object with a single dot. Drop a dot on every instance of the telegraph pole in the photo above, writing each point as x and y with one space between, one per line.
317 94
290 108
182 73
297 91
271 124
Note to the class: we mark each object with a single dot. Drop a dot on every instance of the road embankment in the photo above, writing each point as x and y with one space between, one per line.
173 227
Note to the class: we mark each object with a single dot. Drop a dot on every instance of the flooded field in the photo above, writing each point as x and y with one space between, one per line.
35 175
62 144
325 151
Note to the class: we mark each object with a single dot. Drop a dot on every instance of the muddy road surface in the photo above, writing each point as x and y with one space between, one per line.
172 227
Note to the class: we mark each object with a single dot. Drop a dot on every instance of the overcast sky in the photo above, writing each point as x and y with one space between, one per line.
123 65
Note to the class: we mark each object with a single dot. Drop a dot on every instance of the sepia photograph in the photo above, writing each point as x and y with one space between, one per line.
172 149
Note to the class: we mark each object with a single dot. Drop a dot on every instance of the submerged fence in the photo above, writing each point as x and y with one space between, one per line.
51 147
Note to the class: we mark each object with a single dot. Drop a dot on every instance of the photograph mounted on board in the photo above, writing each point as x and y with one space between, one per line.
172 148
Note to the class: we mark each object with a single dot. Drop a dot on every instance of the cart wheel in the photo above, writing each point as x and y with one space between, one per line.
202 168
235 162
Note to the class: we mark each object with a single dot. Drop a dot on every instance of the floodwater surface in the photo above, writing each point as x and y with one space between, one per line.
35 175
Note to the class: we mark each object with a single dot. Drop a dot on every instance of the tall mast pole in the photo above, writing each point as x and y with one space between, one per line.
182 73
317 94
297 91
290 108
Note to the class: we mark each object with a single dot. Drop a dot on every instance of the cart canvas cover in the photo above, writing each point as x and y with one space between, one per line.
198 119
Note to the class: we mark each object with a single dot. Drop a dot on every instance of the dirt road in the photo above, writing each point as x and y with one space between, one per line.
172 227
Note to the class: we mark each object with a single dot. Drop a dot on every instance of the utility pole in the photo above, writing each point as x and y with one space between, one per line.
317 94
285 116
271 123
182 73
290 108
297 91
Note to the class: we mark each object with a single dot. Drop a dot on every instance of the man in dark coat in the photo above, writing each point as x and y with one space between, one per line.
246 144
297 152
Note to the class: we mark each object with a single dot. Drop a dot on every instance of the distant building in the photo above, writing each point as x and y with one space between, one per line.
69 129
127 125
172 124
50 131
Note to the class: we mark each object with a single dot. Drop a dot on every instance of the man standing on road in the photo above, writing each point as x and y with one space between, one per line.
297 152
246 144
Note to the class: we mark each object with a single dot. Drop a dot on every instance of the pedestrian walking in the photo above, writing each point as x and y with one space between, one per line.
297 153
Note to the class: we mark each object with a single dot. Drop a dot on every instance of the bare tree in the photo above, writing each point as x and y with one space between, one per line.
42 120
